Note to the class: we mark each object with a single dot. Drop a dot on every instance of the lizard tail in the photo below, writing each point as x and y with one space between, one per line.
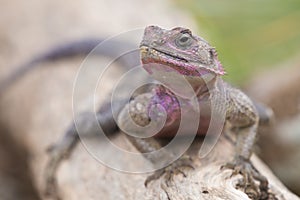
111 49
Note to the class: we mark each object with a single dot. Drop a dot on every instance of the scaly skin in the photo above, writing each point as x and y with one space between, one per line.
169 55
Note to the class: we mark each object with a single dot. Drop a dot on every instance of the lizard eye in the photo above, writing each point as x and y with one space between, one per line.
183 40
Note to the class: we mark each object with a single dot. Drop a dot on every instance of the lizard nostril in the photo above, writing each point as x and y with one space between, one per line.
154 43
158 42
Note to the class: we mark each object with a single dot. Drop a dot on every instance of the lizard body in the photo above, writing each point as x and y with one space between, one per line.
177 50
167 54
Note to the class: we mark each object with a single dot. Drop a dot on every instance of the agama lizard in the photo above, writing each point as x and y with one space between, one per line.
171 53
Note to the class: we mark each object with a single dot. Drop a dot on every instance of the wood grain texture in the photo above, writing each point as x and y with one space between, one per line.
82 177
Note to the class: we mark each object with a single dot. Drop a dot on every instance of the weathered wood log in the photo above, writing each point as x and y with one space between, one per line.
45 96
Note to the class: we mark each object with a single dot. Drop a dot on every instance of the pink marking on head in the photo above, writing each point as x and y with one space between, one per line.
186 69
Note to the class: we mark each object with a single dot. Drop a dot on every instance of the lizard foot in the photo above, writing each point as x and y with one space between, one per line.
171 170
250 178
56 155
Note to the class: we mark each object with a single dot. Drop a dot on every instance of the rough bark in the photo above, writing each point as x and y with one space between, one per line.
82 177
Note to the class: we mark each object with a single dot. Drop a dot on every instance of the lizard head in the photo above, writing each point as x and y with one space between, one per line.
180 50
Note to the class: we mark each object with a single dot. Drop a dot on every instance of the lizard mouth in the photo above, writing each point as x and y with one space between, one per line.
167 60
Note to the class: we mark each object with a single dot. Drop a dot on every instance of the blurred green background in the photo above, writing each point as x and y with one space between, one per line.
249 34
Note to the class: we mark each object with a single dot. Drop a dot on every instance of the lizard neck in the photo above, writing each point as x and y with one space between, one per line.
202 85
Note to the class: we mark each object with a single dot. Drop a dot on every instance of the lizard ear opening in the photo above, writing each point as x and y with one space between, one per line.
213 53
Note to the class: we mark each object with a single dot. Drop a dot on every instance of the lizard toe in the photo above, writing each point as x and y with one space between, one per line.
254 184
171 170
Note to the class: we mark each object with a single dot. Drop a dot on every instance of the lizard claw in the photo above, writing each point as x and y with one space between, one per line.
171 170
56 155
250 175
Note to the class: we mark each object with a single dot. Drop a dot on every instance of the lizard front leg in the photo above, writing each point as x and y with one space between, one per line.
61 150
243 117
138 118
